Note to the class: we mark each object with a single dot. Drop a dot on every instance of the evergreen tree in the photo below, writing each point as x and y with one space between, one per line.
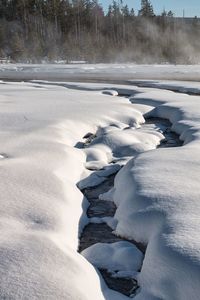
170 14
32 30
164 13
146 9
125 11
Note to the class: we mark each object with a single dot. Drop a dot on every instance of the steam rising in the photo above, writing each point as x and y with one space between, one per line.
75 31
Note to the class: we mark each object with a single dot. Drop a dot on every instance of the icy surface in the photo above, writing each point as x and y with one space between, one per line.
102 72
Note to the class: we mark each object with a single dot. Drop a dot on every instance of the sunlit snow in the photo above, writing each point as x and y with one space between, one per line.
42 164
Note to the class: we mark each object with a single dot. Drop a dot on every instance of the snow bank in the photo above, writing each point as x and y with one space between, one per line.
160 203
41 209
187 87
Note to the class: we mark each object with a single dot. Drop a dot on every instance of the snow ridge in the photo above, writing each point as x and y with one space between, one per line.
40 126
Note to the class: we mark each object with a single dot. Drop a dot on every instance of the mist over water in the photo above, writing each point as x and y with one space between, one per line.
178 43
78 32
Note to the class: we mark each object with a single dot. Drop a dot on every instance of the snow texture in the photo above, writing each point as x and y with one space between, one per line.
160 204
43 212
119 256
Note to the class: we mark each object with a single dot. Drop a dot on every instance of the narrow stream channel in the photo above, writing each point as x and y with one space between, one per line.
101 233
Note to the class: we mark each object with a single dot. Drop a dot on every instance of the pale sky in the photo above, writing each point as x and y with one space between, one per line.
190 7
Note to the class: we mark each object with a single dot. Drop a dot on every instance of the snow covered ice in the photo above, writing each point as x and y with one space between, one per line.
156 191
106 72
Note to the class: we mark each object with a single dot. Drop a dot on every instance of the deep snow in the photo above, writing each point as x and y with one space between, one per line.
41 206
42 210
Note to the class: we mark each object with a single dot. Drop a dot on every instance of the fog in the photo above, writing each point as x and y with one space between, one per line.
87 34
178 43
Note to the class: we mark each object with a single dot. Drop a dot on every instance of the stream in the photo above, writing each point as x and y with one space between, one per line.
101 233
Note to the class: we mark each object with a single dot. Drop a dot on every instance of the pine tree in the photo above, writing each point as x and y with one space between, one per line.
170 14
146 9
164 13
125 11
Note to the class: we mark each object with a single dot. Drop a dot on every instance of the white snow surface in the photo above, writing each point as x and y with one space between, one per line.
119 256
41 208
160 204
42 211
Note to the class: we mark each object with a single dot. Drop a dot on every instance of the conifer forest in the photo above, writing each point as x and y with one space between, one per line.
82 30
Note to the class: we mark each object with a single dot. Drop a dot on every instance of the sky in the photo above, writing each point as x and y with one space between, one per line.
191 7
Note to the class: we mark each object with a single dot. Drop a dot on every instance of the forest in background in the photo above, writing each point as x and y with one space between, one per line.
69 30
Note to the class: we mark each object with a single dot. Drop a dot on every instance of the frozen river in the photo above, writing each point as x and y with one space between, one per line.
61 141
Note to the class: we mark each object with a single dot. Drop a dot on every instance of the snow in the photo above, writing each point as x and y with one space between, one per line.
188 87
119 256
110 221
105 72
160 204
110 92
95 178
42 211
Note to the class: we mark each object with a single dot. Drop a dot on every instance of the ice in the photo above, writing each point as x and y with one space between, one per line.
95 178
107 72
110 221
187 87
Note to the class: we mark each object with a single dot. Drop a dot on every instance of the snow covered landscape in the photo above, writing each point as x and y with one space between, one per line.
87 148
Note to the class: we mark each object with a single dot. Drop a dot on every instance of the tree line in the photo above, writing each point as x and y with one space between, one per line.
50 30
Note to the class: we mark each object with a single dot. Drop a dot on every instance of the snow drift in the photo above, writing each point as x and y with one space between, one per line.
43 211
160 204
